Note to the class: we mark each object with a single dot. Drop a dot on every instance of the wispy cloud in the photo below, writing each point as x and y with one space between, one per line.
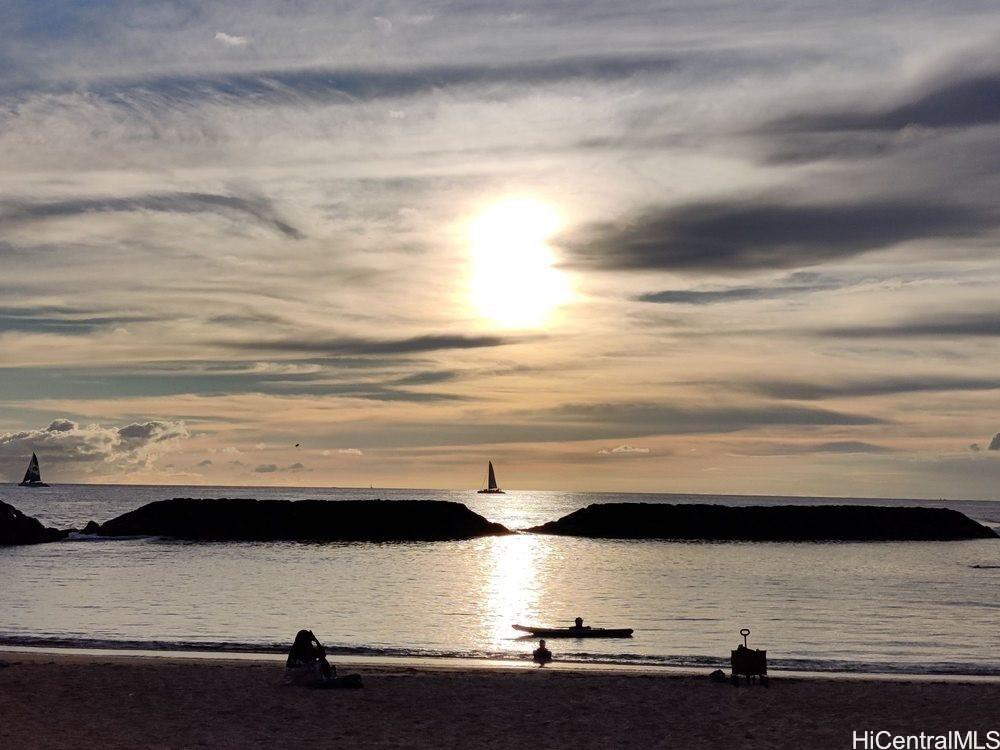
259 210
796 284
886 385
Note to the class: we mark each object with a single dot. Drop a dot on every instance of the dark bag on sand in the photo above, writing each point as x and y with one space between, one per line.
348 682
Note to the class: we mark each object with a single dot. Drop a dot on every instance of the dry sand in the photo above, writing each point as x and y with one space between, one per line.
73 701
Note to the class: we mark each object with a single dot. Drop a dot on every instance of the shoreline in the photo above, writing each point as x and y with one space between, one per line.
60 700
470 664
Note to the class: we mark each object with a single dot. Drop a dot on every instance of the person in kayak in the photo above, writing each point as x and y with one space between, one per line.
541 655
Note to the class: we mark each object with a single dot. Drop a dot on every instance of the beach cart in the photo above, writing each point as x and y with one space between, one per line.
748 662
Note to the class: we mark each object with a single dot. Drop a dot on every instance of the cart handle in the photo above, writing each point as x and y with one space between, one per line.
745 632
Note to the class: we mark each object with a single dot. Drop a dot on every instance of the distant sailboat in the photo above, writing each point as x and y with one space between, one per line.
492 488
33 476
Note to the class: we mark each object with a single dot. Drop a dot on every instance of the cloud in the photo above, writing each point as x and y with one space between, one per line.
316 378
230 40
957 324
357 346
846 447
332 84
151 432
654 418
967 100
994 443
274 468
741 236
733 293
802 390
624 450
63 320
960 98
609 421
428 377
850 446
234 207
136 445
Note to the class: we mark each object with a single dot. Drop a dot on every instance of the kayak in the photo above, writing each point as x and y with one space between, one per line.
585 632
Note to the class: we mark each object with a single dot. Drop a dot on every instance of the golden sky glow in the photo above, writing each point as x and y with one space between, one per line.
670 246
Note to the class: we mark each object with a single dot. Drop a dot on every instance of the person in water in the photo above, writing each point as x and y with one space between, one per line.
541 655
578 624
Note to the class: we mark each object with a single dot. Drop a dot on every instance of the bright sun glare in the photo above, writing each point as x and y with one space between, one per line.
513 282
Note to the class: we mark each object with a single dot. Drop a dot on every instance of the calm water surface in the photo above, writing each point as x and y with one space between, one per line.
907 607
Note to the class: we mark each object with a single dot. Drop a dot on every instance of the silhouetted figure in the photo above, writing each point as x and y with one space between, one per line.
541 655
307 665
578 624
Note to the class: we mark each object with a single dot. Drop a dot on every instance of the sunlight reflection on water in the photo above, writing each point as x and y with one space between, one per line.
906 605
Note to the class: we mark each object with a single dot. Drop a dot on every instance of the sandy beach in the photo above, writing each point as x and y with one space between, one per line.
73 701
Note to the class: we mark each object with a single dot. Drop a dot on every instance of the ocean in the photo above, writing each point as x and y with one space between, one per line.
904 607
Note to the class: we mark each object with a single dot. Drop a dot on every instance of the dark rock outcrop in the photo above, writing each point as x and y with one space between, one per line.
92 527
775 523
302 520
17 528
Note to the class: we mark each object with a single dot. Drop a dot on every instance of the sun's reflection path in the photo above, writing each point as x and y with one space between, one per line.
517 583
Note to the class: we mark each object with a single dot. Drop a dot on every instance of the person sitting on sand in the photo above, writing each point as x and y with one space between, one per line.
541 655
306 663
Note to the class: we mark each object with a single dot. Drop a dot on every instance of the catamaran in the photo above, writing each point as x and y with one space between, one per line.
33 476
492 488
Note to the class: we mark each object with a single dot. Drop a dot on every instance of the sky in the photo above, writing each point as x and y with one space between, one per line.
717 247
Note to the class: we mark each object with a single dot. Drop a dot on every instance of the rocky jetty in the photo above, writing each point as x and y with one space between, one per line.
17 528
302 520
776 523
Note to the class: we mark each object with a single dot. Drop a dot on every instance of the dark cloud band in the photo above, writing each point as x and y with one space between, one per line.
355 346
750 236
971 325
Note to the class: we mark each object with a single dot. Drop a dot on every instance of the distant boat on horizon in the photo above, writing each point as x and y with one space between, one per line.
492 488
33 476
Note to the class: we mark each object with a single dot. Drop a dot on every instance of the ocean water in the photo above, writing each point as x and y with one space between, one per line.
910 607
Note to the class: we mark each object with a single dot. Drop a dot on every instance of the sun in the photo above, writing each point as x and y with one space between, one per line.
513 281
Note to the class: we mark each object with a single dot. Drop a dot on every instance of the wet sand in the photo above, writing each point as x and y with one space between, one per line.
79 701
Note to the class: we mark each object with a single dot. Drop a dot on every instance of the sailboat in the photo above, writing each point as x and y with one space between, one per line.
33 476
492 488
